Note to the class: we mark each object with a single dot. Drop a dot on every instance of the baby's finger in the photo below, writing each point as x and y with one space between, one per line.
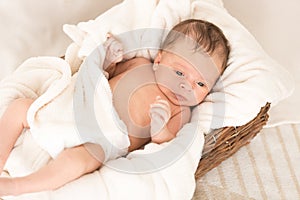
162 101
159 100
160 105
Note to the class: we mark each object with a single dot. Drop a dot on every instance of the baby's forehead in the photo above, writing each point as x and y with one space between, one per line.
197 59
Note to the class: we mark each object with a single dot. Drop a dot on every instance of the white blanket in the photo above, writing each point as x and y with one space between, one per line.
75 109
176 181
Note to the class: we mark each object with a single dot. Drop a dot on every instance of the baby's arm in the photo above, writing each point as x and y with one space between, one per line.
69 165
163 126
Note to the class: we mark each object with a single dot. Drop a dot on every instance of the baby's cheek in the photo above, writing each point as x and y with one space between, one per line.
200 95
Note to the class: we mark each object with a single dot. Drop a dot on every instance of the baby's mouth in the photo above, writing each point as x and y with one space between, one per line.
180 98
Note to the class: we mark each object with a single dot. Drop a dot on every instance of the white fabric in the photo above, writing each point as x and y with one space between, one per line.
249 66
54 130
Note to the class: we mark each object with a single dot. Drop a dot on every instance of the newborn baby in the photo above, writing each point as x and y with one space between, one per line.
152 99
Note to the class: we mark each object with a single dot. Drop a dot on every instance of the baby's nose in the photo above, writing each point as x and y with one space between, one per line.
185 86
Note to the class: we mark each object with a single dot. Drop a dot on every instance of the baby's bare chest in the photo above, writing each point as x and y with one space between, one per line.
133 92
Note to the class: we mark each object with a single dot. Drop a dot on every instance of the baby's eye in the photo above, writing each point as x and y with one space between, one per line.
179 73
200 84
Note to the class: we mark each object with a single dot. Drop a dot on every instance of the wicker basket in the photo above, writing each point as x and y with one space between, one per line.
222 143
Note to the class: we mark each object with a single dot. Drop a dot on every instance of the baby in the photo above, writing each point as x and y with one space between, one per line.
154 106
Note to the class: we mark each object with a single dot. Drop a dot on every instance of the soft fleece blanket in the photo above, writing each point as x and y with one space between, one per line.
176 181
76 109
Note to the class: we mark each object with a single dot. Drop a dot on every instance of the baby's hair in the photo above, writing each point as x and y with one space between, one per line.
207 36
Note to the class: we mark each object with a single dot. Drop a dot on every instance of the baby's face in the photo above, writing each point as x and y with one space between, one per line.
181 81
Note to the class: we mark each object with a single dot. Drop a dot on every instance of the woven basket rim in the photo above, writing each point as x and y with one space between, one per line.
222 143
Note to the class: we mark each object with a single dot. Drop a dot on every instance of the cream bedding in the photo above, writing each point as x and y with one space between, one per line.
177 180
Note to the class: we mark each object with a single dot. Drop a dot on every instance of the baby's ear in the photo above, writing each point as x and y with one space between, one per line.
158 57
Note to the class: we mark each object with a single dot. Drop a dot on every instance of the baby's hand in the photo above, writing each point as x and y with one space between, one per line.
114 51
160 114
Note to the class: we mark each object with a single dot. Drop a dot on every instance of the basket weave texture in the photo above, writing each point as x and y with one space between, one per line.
222 143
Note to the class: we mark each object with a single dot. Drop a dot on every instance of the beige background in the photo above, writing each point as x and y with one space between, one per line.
34 28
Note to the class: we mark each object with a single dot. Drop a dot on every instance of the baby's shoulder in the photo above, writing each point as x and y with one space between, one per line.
137 62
